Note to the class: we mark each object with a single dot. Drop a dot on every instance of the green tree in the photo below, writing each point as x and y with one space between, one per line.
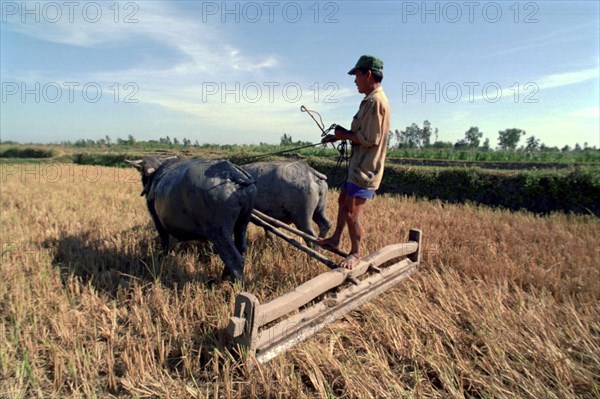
442 145
486 145
532 144
131 140
473 137
509 138
414 136
461 144
426 133
409 137
286 140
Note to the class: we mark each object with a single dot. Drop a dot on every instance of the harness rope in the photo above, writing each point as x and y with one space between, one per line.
342 148
245 160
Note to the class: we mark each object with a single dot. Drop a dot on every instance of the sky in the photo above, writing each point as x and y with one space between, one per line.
232 72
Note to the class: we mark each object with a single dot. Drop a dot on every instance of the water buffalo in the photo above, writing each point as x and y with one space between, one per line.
292 192
200 199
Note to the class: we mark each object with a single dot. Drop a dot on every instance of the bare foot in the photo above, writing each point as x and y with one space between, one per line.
328 243
350 261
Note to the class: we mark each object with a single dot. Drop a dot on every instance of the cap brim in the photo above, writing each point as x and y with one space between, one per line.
352 71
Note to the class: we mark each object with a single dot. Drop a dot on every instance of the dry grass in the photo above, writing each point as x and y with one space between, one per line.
505 305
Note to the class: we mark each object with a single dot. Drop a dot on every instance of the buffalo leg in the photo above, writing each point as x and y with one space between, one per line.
234 262
240 232
322 221
319 215
304 224
162 232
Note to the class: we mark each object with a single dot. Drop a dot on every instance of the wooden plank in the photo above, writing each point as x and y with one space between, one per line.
416 235
385 254
300 296
286 326
284 226
256 220
308 291
250 315
291 229
299 327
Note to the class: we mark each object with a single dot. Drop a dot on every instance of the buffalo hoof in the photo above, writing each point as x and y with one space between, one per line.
234 276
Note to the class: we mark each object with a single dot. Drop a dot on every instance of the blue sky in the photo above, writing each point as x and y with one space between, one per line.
238 72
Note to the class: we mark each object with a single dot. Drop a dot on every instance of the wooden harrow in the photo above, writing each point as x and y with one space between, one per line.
258 327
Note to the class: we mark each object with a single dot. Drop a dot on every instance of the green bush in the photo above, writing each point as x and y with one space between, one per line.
569 189
27 152
540 191
104 159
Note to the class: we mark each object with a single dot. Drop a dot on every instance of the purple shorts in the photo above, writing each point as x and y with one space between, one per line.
356 191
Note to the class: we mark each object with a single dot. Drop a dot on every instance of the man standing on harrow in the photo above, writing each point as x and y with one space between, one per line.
368 135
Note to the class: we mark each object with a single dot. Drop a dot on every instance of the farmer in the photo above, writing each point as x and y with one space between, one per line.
368 135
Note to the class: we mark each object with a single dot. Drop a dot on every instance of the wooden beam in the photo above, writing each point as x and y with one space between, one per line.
383 255
293 230
301 295
301 326
259 222
322 283
249 316
284 226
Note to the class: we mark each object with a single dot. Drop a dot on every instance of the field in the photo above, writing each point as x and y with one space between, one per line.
505 304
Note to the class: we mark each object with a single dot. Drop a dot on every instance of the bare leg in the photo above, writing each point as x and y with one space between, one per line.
352 210
349 210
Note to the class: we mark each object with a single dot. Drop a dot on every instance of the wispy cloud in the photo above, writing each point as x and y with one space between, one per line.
554 38
531 89
205 74
590 112
202 48
567 78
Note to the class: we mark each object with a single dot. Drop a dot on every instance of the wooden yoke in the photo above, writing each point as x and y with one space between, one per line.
248 327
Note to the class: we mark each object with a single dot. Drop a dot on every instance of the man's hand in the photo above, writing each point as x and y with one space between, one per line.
340 131
330 138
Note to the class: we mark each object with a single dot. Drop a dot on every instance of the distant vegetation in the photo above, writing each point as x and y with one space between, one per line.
27 152
535 177
538 190
414 142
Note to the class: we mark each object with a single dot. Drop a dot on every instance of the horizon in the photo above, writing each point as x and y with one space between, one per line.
237 72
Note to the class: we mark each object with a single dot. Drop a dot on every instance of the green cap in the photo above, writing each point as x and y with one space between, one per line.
369 62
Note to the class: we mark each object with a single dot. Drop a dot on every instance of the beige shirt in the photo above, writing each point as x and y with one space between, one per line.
372 125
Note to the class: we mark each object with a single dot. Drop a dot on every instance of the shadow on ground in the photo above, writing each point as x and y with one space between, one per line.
109 266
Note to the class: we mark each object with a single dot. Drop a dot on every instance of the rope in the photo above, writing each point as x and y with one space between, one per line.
320 123
342 148
245 160
343 159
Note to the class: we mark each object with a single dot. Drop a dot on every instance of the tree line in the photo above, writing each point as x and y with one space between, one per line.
106 141
416 137
413 137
